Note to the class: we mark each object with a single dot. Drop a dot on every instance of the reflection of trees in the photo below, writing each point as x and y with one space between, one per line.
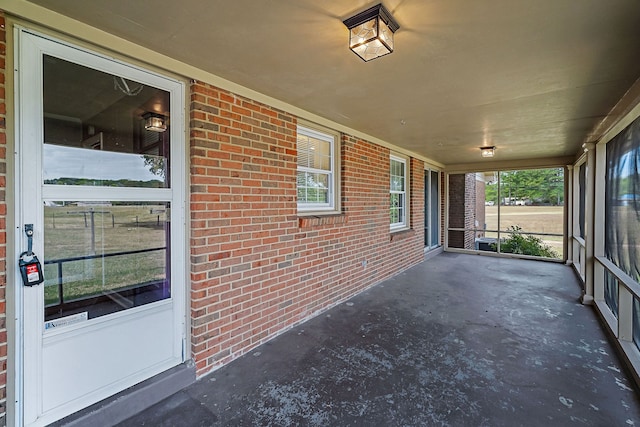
397 183
156 165
622 203
397 202
313 182
396 207
312 187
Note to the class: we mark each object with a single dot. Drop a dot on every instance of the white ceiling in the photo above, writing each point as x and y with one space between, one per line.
533 78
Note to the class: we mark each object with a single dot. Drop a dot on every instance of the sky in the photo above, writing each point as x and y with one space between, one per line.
71 162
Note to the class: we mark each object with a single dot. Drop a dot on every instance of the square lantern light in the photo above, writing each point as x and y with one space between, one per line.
488 151
371 32
154 122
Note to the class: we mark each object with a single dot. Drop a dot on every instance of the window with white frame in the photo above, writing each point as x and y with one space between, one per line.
399 213
317 180
622 203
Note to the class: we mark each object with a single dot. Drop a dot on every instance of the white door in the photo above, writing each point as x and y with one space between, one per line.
100 165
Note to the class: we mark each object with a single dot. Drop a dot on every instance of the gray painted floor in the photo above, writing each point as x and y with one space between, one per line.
460 340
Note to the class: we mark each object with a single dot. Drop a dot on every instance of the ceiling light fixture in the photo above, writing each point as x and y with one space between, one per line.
154 122
488 151
371 32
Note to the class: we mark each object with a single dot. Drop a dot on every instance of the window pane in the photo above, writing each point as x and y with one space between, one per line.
427 203
527 207
636 322
532 212
105 257
314 153
435 208
397 208
313 187
397 176
611 292
582 182
94 129
622 201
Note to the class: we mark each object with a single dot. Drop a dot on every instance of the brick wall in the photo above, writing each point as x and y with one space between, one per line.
463 195
256 267
470 217
3 223
456 210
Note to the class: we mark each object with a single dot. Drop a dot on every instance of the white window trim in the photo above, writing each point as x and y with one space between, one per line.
404 224
333 206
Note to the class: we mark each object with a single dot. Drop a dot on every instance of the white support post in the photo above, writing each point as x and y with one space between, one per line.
625 314
569 202
590 206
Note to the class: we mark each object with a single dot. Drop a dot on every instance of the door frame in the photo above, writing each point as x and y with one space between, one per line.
16 317
428 208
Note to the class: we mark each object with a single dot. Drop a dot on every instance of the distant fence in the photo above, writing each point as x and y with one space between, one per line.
60 262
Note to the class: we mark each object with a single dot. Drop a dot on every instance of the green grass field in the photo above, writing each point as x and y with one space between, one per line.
532 219
69 233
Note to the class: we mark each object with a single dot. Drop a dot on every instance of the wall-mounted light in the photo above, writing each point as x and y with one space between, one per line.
154 122
371 32
488 151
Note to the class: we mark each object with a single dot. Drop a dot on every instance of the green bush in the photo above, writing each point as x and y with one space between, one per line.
518 243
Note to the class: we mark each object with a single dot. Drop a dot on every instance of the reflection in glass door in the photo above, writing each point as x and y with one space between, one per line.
103 256
105 195
434 207
106 257
431 209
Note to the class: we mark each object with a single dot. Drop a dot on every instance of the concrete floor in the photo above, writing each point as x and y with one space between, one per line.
460 340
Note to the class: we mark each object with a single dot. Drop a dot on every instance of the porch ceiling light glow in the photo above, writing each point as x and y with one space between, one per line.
371 32
488 151
154 122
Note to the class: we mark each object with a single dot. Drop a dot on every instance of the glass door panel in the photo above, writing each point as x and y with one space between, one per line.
435 208
103 130
104 257
427 204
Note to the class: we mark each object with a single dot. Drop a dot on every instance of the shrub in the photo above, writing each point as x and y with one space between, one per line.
518 243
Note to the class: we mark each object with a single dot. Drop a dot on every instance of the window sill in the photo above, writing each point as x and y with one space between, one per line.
401 234
317 219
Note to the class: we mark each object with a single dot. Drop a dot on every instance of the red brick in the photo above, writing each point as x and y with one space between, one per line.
274 266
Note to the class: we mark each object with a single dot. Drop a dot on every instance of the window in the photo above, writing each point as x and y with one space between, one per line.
317 181
582 181
622 203
398 193
516 211
110 252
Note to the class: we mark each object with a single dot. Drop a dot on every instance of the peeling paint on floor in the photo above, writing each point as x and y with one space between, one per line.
445 344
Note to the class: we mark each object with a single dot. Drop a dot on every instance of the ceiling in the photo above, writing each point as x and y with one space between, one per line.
534 78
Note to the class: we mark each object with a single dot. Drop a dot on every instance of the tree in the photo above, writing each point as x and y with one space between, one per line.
544 186
491 192
156 164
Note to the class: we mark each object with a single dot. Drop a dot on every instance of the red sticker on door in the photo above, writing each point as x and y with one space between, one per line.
32 273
